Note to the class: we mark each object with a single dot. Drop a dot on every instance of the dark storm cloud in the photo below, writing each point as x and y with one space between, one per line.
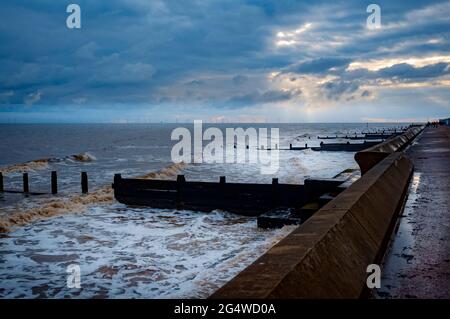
407 71
350 81
320 65
271 96
366 93
127 51
402 72
147 43
335 89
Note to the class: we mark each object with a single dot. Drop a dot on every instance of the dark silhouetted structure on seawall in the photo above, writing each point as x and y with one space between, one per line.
445 121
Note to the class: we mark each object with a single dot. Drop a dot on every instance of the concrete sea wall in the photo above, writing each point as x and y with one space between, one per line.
327 256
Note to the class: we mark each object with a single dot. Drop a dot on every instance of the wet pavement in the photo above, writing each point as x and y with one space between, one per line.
417 265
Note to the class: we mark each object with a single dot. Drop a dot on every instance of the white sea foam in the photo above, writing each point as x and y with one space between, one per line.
139 253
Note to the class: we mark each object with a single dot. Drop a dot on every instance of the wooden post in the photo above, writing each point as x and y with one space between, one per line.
1 182
290 146
54 182
84 183
26 188
180 181
117 178
222 185
274 192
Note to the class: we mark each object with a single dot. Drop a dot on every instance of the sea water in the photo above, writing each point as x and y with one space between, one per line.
129 252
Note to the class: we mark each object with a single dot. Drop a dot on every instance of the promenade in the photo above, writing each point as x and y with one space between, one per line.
417 265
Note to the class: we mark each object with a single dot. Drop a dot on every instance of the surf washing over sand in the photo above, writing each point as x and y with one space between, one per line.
75 203
41 164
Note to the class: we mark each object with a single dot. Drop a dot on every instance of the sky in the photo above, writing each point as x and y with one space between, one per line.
224 61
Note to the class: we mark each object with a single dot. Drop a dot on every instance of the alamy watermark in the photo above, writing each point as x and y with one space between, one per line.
73 21
74 277
251 145
374 19
374 279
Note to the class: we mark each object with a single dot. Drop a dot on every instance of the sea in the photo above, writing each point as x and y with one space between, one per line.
135 252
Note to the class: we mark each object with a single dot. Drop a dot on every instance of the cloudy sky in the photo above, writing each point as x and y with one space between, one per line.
224 60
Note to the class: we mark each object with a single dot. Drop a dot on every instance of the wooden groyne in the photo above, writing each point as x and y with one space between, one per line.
241 198
335 147
344 147
368 136
53 185
369 139
377 135
325 190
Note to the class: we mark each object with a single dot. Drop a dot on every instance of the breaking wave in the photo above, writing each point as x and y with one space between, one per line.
83 157
75 203
42 164
297 164
166 172
27 166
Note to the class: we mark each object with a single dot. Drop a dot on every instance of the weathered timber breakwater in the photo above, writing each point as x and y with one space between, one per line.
327 256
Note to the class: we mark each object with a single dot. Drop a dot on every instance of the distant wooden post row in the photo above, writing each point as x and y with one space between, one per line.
53 185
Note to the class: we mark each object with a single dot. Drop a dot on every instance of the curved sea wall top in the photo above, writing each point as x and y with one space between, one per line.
371 156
